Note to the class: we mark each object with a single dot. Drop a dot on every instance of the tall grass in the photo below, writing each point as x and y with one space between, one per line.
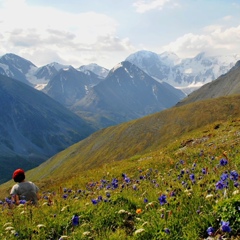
176 192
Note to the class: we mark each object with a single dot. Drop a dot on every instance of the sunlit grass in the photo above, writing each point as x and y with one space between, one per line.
120 199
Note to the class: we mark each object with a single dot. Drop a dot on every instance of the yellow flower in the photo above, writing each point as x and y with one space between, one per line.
139 210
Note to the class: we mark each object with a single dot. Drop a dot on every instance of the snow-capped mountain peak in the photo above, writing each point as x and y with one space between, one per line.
93 67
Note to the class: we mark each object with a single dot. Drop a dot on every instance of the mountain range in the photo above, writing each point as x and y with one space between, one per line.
145 135
226 85
33 127
187 74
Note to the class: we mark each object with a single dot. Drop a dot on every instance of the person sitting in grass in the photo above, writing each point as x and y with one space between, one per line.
23 190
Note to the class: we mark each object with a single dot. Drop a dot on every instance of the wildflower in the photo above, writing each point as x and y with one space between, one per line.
127 180
223 162
181 162
236 184
140 230
64 208
87 233
65 196
22 201
100 198
8 200
122 211
94 201
220 185
7 224
172 194
108 195
162 199
115 183
166 230
192 177
63 237
145 200
134 187
224 177
225 226
139 210
209 196
9 228
234 175
41 226
204 171
235 192
75 220
151 204
210 231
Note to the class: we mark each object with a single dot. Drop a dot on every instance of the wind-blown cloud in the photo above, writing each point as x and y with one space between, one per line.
144 6
215 40
30 31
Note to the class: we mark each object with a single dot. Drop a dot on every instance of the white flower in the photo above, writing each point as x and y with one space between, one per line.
7 224
9 228
63 237
209 196
122 211
140 230
86 233
40 225
235 192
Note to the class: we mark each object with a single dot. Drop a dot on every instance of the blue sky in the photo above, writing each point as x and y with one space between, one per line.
79 32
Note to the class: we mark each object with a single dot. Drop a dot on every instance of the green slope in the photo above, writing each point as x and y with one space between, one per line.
136 137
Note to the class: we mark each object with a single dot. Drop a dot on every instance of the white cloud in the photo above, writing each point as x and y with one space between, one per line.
144 5
214 40
31 31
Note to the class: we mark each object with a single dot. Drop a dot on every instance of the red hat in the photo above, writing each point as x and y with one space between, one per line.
17 172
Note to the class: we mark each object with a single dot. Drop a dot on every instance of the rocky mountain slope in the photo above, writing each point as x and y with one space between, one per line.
127 93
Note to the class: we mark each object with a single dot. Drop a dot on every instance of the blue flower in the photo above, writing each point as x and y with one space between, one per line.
22 201
94 201
162 199
127 180
75 220
225 226
234 175
236 184
166 230
223 162
115 183
181 162
192 177
65 196
210 231
224 177
145 200
220 185
204 171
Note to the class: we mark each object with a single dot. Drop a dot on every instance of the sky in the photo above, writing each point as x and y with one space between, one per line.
106 32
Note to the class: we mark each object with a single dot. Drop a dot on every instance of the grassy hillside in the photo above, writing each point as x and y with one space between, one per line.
171 175
136 137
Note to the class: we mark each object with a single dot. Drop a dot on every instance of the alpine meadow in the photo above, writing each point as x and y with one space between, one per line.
120 120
